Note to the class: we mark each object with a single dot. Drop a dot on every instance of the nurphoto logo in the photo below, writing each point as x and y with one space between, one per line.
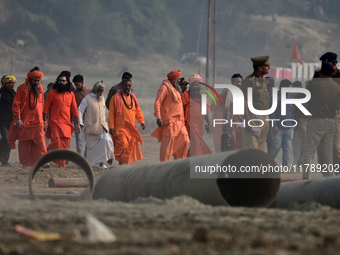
238 103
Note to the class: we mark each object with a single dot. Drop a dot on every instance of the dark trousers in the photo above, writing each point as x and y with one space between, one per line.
5 149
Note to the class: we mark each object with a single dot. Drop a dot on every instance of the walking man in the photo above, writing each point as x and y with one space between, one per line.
124 111
7 94
171 131
92 120
28 108
79 93
60 103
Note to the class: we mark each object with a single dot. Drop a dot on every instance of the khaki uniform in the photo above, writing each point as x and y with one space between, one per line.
252 139
320 132
336 148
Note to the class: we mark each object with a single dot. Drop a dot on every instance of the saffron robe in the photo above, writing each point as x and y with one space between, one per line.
59 107
29 109
173 134
126 138
194 122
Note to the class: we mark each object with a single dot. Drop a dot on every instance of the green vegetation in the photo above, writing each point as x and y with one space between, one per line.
103 38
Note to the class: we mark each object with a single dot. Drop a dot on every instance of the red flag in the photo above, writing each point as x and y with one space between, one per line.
295 54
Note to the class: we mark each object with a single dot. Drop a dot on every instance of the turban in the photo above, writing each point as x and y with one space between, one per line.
9 78
174 75
195 78
35 75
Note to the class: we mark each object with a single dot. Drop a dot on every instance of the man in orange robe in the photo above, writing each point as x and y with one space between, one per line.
124 110
171 131
28 108
194 120
60 102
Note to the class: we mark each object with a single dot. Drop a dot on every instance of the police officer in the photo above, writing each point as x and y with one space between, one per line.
321 127
251 138
331 58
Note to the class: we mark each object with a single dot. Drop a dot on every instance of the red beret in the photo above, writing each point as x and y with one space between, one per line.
174 75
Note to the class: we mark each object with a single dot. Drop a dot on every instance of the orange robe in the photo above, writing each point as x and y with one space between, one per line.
194 121
31 138
59 107
173 134
126 138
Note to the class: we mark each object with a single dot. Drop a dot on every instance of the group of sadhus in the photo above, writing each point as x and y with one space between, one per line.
26 116
32 115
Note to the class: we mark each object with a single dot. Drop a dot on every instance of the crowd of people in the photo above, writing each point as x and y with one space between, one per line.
46 121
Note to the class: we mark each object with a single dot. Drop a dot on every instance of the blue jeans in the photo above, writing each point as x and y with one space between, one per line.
282 139
79 142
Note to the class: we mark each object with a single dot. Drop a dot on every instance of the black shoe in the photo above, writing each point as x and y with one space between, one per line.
6 164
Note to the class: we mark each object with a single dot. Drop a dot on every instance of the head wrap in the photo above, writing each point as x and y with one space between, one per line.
7 78
327 69
174 75
35 75
195 78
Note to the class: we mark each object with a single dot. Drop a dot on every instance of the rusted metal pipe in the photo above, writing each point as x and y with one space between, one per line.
68 182
325 191
63 154
172 178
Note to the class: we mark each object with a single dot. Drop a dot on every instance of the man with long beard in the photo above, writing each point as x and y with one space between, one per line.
60 103
124 110
28 121
92 119
171 131
194 120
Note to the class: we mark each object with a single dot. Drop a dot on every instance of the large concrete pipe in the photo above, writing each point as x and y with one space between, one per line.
62 154
175 178
325 191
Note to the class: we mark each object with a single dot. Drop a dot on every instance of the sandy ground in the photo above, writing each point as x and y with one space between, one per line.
180 225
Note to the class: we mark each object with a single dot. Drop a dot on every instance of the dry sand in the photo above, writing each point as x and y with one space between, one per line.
180 225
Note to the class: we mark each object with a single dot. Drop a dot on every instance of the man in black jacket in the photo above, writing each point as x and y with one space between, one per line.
7 95
117 87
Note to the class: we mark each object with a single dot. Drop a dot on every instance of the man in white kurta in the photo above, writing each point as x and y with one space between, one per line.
92 119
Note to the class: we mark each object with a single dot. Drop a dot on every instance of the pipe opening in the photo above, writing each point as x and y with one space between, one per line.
252 189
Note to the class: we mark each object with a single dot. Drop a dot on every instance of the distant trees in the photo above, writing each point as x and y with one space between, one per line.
80 26
137 27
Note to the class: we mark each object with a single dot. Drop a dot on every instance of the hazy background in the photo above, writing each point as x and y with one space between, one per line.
103 38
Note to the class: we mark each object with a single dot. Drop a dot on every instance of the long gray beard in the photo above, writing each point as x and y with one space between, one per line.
99 97
36 90
178 88
195 93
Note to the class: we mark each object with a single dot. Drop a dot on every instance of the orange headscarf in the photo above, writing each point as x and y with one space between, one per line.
32 75
174 74
195 78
